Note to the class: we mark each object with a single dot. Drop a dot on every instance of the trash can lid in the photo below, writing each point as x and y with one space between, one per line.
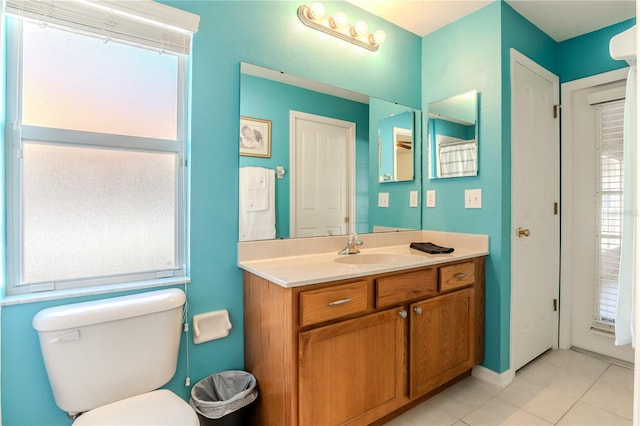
160 407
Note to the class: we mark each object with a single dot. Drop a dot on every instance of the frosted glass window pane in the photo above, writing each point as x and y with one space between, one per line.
76 82
91 212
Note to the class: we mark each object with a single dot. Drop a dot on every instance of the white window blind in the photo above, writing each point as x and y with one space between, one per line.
142 22
609 192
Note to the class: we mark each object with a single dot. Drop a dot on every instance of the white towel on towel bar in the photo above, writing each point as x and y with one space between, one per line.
257 191
257 214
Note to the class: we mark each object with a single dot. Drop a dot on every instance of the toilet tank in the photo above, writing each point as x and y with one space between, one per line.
106 350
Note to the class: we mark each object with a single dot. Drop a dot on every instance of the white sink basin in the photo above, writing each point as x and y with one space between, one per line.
369 258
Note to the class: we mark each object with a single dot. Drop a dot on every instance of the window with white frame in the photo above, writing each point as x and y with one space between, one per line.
610 186
96 143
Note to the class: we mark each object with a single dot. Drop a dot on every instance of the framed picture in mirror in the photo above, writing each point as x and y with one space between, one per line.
255 137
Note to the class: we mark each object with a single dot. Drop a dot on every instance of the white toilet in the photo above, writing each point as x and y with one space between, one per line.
106 358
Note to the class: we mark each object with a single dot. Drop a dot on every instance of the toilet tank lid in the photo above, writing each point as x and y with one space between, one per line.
105 310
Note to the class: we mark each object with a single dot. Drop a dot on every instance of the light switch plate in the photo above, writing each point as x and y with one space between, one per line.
473 198
413 198
383 199
431 198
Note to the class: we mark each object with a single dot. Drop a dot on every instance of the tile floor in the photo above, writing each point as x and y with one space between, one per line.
559 388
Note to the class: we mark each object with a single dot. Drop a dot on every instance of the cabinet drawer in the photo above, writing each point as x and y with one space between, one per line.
403 287
456 276
332 302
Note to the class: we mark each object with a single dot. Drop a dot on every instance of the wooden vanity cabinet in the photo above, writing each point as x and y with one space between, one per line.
441 340
353 351
352 371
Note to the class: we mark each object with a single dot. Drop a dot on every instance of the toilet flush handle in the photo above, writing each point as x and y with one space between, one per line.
66 337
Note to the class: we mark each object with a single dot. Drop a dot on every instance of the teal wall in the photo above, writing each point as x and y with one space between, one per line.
588 54
474 53
270 100
267 34
458 58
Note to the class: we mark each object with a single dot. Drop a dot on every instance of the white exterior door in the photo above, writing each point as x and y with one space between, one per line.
535 238
580 210
322 175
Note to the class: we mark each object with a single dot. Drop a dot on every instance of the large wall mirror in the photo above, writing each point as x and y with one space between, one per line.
452 134
310 160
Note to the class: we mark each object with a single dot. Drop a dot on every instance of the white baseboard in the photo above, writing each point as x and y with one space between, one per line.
490 376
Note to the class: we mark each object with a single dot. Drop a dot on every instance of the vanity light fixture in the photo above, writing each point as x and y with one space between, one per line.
314 16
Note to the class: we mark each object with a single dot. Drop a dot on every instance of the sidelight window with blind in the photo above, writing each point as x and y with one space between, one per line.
96 144
609 191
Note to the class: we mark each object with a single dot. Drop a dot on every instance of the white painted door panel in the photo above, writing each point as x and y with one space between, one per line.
534 191
320 191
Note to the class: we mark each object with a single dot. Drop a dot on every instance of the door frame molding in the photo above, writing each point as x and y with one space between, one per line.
517 57
566 169
351 164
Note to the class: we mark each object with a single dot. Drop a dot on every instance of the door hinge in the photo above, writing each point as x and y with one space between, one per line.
346 219
555 305
555 208
556 110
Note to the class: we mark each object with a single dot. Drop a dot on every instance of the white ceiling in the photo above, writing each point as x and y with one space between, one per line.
560 19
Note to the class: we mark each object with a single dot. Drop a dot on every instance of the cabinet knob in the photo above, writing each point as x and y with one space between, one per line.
417 310
403 313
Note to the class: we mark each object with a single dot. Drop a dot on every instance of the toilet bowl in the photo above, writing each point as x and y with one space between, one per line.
160 407
106 359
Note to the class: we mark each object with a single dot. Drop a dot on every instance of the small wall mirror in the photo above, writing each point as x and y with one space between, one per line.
396 147
452 134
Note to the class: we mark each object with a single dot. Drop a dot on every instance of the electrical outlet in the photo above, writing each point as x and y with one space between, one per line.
383 199
413 198
431 198
473 198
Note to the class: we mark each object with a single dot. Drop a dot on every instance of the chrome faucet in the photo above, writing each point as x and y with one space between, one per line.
352 245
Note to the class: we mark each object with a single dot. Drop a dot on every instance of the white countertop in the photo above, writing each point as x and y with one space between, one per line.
293 271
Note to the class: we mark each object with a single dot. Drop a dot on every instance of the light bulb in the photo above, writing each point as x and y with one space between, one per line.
360 28
316 11
340 20
378 37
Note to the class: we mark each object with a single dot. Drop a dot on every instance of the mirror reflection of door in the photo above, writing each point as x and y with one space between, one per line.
322 161
403 154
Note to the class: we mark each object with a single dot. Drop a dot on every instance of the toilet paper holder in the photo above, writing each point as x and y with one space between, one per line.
210 326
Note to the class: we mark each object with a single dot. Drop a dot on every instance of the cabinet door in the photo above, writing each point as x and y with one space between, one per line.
352 371
442 340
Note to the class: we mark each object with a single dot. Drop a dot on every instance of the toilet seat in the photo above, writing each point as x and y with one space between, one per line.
160 407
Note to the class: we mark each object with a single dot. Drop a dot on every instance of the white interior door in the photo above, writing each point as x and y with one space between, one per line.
322 175
580 209
535 238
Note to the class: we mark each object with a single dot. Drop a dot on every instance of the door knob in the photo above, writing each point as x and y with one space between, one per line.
522 232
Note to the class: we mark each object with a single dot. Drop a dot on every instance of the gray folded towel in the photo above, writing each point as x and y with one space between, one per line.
431 248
